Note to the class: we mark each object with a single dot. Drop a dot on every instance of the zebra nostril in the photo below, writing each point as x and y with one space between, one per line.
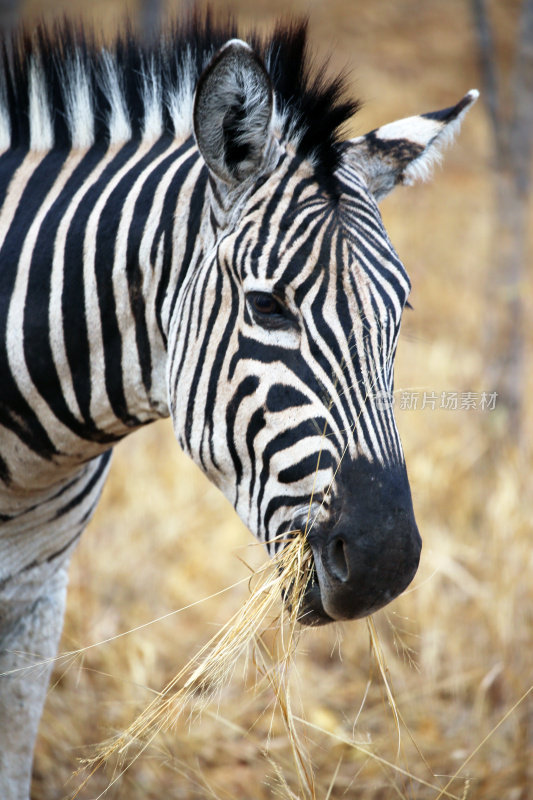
338 563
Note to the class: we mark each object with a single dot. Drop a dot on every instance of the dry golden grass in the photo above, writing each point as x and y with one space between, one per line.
431 698
202 680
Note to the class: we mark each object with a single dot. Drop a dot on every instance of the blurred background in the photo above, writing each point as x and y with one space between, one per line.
459 643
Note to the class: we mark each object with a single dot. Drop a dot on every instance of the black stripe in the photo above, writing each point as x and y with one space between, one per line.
379 264
215 366
165 229
283 501
143 206
306 467
183 336
282 397
5 477
196 206
106 236
87 489
255 426
245 389
315 217
207 402
264 229
77 341
284 439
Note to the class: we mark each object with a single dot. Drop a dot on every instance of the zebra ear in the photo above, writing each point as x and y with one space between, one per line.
406 150
232 113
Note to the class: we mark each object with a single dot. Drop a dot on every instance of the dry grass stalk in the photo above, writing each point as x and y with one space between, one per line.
275 667
203 678
383 762
380 660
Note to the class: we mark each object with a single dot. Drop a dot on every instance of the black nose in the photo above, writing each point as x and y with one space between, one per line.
361 571
370 552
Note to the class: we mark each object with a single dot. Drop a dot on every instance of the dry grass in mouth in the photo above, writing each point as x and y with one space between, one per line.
201 680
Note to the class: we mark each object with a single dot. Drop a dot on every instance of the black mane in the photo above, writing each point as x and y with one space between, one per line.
313 107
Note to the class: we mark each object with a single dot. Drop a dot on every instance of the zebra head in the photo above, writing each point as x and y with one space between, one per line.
285 331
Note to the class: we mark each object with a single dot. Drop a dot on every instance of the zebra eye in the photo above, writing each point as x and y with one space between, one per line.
264 304
269 312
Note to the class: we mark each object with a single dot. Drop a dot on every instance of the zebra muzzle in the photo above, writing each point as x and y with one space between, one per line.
370 552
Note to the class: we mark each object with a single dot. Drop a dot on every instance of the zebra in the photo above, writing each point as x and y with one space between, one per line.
184 232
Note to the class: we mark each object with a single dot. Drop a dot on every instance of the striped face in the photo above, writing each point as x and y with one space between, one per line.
283 368
283 339
298 310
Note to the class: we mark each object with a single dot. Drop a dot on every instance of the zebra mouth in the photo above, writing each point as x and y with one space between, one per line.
311 612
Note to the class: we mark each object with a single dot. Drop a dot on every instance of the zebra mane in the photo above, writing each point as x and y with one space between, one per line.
58 89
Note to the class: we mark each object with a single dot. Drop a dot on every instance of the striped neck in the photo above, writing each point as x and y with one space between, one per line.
109 234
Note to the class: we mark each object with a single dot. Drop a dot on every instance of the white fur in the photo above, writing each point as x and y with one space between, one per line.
79 104
179 100
421 168
41 128
5 122
152 94
118 120
415 129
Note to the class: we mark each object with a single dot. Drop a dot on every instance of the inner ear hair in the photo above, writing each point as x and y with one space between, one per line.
232 113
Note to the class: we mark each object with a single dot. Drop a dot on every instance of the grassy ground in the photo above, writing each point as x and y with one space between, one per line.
458 645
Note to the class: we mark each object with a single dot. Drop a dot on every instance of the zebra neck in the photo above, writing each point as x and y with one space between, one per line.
94 247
